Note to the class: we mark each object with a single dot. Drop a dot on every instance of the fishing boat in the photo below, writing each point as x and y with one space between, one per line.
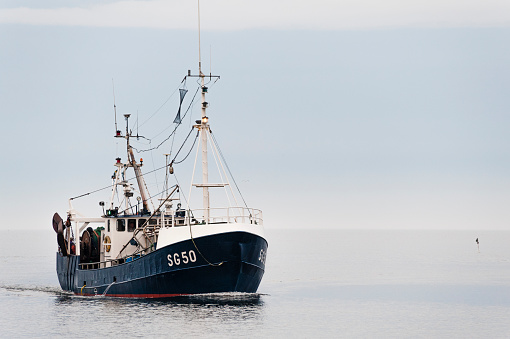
138 249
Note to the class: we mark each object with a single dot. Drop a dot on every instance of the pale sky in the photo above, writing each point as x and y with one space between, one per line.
262 14
332 114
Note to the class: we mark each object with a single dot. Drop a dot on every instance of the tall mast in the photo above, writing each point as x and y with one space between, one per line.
136 167
203 129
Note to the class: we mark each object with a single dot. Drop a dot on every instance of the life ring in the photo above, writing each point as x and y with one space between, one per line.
107 242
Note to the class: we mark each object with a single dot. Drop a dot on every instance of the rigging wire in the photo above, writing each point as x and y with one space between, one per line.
110 186
192 146
228 169
160 107
161 143
216 160
192 176
149 198
157 169
179 191
154 165
184 142
173 160
153 148
140 151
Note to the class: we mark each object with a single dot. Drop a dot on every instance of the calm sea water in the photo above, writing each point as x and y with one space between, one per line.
318 283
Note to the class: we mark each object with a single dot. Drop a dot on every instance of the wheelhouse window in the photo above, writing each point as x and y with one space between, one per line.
121 225
131 225
141 222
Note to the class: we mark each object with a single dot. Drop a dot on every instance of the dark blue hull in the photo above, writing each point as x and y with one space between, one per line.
228 262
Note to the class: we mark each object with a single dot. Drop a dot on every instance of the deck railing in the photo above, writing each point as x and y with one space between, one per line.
225 215
111 262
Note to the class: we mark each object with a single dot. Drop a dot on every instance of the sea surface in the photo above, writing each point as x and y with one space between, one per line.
318 284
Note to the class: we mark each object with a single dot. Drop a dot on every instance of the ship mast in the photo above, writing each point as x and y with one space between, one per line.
136 167
204 127
138 171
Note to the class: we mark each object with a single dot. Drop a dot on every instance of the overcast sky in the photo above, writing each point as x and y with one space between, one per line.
230 15
332 114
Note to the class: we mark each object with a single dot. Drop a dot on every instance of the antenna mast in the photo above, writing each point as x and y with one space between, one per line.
203 125
114 107
199 50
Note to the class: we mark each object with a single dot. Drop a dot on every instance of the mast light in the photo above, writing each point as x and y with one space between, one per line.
205 120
